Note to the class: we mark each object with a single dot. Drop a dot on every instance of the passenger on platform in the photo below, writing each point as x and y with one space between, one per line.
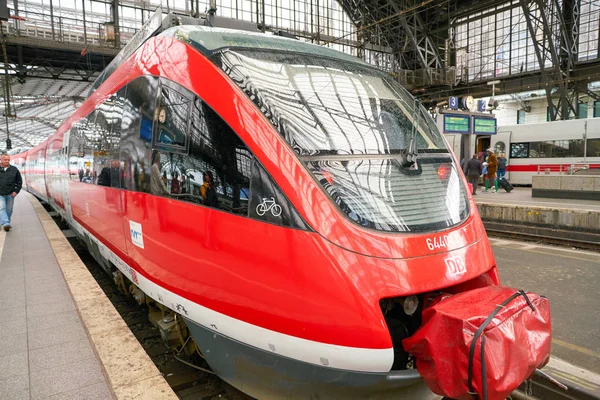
80 174
502 161
492 168
157 186
10 186
109 176
183 189
87 178
208 192
175 187
473 171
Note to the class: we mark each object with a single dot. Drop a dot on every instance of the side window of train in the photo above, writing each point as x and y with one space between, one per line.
216 172
224 173
139 104
106 144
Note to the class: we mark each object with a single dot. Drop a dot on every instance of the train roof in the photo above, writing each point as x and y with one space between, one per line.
209 40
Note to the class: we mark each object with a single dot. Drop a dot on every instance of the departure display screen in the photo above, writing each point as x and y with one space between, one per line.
457 123
484 125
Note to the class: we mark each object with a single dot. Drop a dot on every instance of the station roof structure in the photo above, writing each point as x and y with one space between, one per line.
54 49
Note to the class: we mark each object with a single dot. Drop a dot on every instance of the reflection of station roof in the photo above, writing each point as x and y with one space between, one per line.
38 107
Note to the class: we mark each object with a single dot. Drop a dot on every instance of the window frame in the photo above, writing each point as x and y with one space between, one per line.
512 155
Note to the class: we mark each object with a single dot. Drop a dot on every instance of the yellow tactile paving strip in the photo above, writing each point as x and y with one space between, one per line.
131 374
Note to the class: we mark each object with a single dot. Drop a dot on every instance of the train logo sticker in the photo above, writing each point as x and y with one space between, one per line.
456 266
268 205
137 237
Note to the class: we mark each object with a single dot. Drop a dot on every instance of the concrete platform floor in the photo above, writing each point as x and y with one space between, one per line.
571 281
61 338
45 352
522 196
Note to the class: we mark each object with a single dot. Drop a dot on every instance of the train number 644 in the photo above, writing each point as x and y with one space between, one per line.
437 242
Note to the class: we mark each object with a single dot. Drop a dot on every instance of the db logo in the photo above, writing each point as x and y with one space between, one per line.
456 266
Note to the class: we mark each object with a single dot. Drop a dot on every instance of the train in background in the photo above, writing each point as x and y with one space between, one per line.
282 209
560 147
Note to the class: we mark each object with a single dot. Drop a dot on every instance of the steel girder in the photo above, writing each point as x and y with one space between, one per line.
422 43
553 52
407 34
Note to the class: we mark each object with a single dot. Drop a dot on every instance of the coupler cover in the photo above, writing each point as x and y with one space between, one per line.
482 343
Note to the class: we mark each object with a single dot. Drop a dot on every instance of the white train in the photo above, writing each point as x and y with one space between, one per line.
560 147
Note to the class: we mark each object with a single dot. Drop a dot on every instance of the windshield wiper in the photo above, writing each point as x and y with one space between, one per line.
410 154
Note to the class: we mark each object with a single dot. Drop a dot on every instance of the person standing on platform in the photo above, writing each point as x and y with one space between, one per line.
10 186
473 171
501 166
492 168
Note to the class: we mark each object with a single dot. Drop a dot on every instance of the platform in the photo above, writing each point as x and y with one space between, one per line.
61 336
521 196
518 214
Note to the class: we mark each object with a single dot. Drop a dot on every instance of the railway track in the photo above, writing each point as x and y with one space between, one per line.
187 382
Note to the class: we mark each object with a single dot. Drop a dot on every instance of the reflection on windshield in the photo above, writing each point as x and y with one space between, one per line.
380 194
328 106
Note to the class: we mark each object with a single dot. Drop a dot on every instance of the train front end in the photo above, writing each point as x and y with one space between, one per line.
391 224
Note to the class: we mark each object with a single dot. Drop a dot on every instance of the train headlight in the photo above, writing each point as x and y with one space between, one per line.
410 304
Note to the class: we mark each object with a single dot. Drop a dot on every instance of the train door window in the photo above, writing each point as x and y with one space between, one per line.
92 137
116 121
102 147
519 150
80 157
139 105
500 148
106 150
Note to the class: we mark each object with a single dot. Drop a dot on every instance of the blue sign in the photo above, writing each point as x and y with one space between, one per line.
481 105
453 103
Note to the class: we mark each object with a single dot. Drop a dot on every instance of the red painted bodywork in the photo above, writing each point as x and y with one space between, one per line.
323 285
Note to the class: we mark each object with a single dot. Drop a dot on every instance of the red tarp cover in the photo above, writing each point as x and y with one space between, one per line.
516 339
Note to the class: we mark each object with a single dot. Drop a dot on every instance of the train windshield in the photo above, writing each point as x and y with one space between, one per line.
322 105
353 127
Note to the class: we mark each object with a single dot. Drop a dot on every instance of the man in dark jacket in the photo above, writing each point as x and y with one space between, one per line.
473 171
10 186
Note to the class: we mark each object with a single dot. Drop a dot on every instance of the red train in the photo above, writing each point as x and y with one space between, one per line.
291 203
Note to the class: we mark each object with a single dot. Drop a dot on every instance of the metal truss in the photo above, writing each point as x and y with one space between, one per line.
554 52
421 42
407 34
